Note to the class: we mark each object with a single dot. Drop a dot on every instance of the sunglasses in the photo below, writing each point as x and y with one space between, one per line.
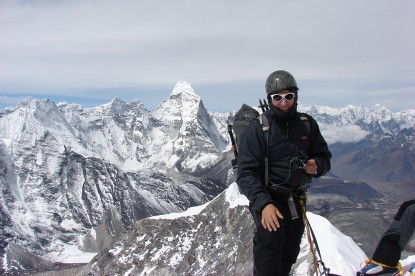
279 97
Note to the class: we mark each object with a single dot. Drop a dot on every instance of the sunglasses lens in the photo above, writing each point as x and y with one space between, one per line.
277 97
289 96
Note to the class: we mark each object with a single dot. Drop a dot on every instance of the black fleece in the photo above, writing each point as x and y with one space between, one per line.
288 136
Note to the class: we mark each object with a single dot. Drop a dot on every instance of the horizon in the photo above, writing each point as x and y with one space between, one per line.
87 103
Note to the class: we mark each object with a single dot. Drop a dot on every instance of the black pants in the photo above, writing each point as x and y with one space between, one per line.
275 252
397 236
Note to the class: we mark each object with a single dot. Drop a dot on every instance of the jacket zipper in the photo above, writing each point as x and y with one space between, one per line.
288 129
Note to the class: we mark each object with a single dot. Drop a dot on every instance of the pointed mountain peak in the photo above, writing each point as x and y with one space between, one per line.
381 108
117 102
34 105
381 112
185 89
116 105
183 103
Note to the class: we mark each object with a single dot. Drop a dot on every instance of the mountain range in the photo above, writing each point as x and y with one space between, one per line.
74 179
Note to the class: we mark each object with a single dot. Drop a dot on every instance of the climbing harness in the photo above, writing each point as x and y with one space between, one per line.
398 266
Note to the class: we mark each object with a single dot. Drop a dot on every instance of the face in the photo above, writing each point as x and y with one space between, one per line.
284 104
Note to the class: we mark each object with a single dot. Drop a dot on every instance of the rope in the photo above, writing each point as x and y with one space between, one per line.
309 238
312 240
398 266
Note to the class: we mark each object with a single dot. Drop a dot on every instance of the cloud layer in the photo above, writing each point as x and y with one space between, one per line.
349 52
343 134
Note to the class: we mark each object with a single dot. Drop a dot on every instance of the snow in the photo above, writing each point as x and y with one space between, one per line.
234 198
141 237
192 211
128 271
339 252
202 160
407 263
115 251
71 254
175 260
160 252
146 271
321 109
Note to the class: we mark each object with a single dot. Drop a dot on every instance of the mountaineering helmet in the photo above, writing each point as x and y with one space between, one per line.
280 80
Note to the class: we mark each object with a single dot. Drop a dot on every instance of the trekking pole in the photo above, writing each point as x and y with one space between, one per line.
234 161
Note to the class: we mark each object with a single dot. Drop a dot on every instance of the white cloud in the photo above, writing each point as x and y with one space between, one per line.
343 134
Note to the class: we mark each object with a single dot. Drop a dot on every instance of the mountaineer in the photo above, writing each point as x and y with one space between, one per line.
274 169
385 259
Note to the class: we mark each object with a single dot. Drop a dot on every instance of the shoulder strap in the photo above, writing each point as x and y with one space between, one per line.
304 119
263 120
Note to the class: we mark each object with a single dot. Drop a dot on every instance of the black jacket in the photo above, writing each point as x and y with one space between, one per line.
288 137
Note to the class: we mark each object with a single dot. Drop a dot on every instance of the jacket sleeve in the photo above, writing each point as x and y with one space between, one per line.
319 149
251 166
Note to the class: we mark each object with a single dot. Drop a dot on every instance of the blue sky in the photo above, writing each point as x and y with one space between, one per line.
90 51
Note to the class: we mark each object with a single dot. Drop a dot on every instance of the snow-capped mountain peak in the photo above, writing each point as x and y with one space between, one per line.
183 104
183 87
189 128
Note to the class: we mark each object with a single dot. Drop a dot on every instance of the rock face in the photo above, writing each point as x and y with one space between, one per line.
73 179
214 239
208 244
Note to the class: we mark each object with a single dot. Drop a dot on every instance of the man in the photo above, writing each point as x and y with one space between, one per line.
386 257
296 152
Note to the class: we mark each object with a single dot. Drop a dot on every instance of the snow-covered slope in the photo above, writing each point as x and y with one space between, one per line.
214 239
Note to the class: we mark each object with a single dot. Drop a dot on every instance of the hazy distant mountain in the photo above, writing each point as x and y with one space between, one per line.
390 158
73 178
